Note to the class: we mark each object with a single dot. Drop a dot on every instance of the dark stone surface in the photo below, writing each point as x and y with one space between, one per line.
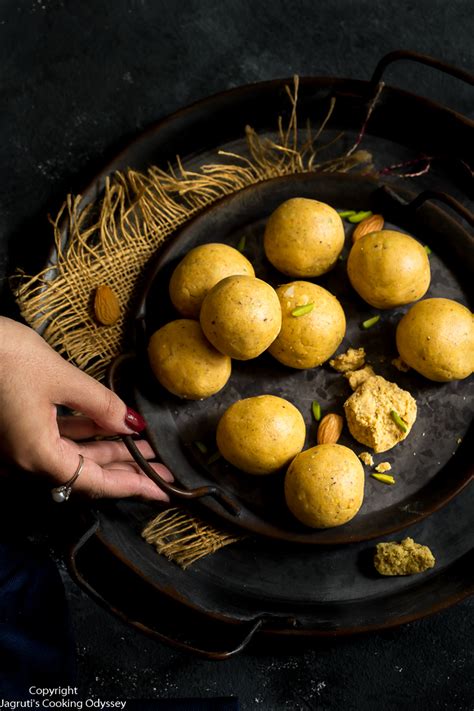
77 79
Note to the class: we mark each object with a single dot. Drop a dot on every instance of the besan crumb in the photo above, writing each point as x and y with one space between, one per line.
383 467
370 414
400 365
405 558
357 377
367 459
352 359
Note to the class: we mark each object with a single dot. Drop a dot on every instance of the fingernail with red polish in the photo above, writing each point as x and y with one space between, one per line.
134 421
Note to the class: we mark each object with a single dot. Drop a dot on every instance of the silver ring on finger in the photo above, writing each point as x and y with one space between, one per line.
62 493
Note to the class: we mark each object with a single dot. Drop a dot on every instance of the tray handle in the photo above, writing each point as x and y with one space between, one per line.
403 54
248 632
386 196
172 490
444 198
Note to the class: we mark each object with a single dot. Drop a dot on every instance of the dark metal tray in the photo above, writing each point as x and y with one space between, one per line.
280 588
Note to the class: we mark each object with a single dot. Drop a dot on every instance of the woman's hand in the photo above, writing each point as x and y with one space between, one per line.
33 380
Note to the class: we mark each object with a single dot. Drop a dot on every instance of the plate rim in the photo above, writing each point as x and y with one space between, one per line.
443 603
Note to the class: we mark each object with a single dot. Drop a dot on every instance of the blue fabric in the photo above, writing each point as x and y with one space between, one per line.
36 646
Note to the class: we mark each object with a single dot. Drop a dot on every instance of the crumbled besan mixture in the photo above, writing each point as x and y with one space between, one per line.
353 359
383 467
405 558
400 365
367 459
368 413
357 377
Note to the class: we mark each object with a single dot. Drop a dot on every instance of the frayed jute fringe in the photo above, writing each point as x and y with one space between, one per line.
111 240
183 538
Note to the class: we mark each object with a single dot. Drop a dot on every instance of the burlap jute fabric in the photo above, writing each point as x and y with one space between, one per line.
184 538
111 239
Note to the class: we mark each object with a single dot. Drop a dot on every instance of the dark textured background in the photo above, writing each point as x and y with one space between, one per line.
77 79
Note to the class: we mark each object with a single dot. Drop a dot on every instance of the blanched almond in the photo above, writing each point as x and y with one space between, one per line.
106 305
330 429
374 223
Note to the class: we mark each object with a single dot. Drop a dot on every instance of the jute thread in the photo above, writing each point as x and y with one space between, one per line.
184 538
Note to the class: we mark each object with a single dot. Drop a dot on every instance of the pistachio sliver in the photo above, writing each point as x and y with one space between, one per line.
398 421
370 322
316 408
384 478
302 310
201 446
427 250
359 216
346 213
214 457
242 242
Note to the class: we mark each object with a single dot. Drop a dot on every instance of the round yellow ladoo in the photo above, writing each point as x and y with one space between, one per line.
261 434
201 269
389 269
436 338
304 238
324 486
241 316
313 325
185 363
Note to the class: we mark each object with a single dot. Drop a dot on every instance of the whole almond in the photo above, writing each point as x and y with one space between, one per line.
374 223
330 429
106 305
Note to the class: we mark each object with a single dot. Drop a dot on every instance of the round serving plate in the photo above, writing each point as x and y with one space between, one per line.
430 466
281 587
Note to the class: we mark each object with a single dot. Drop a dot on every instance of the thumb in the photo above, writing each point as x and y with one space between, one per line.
81 392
